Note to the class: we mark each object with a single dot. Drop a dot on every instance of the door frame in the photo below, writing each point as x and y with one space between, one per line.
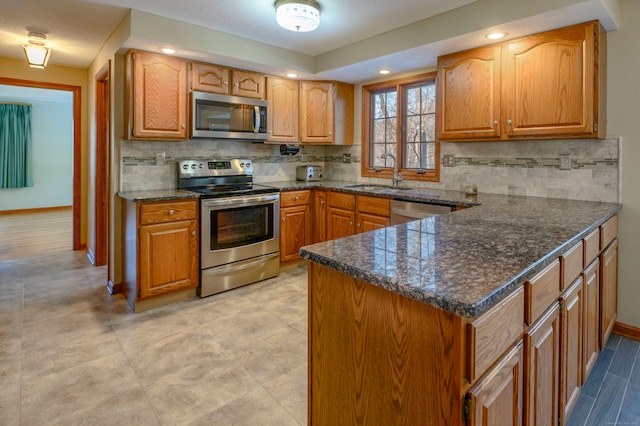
77 147
102 165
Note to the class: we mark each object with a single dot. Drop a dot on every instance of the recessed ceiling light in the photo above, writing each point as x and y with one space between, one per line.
384 71
168 50
292 75
495 35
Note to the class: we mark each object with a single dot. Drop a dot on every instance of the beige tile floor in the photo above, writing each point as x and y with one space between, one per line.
72 354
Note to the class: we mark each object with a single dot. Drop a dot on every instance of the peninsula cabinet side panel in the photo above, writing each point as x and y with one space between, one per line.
376 357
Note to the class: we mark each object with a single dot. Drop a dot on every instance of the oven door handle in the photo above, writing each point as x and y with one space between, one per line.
240 201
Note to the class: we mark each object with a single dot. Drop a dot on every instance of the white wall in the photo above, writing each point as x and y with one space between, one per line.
52 148
623 114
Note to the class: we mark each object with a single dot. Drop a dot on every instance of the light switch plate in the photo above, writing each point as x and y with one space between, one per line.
565 161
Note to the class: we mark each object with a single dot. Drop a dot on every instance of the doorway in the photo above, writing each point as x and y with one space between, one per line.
77 160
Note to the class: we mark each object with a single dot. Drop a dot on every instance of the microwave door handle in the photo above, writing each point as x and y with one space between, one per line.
256 118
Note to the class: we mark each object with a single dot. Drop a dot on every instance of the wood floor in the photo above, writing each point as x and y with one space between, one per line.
31 234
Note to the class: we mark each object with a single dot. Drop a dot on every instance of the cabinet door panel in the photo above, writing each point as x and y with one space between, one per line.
248 84
468 104
368 222
168 257
591 318
571 354
339 223
316 112
497 398
283 109
548 83
542 371
608 291
210 78
159 97
320 222
295 229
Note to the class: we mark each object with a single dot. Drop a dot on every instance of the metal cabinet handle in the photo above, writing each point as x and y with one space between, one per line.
297 198
172 212
283 219
509 122
495 123
358 224
193 232
350 223
321 201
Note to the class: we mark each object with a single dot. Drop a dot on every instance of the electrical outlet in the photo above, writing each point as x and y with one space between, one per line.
565 161
448 160
346 158
160 158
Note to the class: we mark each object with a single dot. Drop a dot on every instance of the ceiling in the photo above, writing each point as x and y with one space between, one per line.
77 29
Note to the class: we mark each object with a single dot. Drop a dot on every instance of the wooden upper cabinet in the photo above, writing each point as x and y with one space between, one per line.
550 83
226 81
544 86
158 100
282 119
247 84
209 78
326 113
468 88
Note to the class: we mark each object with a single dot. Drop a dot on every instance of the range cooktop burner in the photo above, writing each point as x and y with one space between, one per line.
219 178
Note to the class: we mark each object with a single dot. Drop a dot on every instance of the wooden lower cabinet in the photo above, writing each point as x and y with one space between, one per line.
590 336
160 251
608 291
372 213
341 215
497 398
542 369
295 223
320 216
572 311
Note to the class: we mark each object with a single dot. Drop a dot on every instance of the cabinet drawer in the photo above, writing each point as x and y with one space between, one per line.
492 333
591 247
571 264
608 232
168 212
373 205
341 200
295 198
541 291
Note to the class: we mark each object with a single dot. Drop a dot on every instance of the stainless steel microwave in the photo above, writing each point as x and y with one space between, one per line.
228 117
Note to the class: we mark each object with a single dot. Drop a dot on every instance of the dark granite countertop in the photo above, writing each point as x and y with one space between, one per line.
158 195
466 261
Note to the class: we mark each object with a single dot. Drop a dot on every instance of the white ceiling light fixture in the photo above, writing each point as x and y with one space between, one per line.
168 50
36 52
298 15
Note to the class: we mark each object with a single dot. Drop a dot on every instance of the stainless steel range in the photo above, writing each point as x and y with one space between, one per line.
239 224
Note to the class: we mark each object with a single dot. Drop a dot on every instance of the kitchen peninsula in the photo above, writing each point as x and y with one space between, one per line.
436 321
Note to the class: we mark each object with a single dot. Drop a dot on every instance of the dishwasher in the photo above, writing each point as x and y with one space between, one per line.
407 211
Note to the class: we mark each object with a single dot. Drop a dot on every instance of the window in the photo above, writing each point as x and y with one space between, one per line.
399 118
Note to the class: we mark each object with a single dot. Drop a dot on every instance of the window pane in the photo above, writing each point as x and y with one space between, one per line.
428 99
391 130
419 127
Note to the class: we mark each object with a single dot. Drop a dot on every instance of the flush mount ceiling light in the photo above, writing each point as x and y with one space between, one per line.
384 71
298 15
35 51
168 50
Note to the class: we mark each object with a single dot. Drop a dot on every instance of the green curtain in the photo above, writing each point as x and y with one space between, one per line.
15 146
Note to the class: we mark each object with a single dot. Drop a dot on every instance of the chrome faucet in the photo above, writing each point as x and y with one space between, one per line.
397 177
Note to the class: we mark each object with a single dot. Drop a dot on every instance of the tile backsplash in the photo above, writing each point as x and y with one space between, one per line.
516 168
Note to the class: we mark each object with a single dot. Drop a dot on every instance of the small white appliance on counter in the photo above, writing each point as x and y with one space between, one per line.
309 173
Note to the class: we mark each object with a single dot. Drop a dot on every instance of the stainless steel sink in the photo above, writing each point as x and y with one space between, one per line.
374 187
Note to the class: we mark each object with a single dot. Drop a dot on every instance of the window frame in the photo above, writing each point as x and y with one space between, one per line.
387 172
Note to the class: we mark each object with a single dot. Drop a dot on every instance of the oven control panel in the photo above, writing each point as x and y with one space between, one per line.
200 168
